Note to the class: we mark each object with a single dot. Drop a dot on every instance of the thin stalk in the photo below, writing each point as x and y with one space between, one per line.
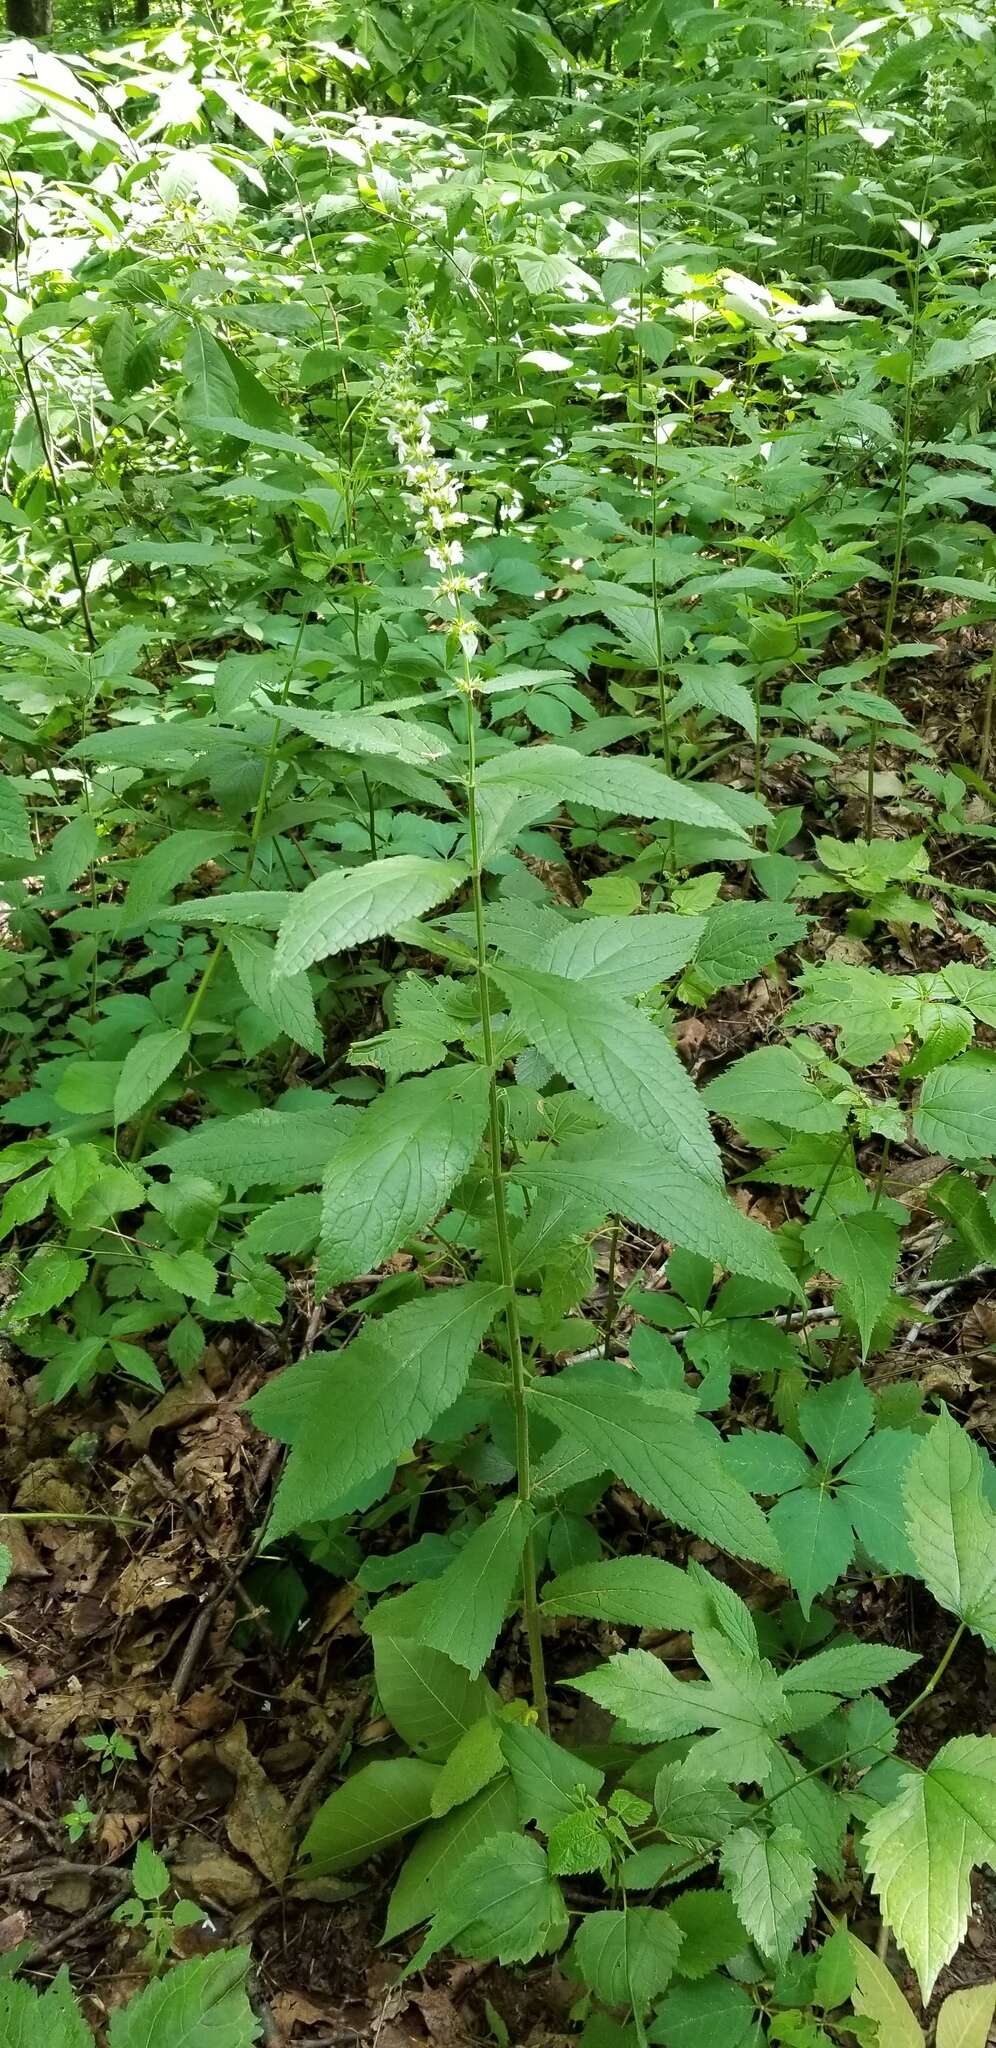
530 1603
611 1290
897 557
987 714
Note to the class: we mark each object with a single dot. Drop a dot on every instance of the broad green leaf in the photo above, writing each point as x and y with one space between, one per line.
922 1847
428 1699
742 938
743 1701
285 998
876 1996
631 1178
641 1592
44 2019
836 1417
626 955
618 783
627 1957
815 1539
965 2017
711 1929
848 1669
808 1804
959 351
771 1879
149 1874
266 1147
197 2004
714 2011
347 906
956 1114
862 1251
370 734
148 1065
350 1414
468 1602
427 1874
188 1271
951 1525
547 1778
471 1764
697 1813
771 1084
379 1804
501 1902
673 1461
50 1277
71 852
15 824
394 1175
618 1058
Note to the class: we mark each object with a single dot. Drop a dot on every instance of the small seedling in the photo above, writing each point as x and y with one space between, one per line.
113 1750
147 1908
80 1819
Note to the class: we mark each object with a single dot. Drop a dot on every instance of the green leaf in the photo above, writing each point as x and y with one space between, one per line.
693 1812
15 824
286 999
618 1058
266 1148
189 1272
965 2017
71 852
546 1777
848 1668
374 1808
632 1179
149 1874
714 687
958 352
441 1848
876 1996
369 734
626 955
673 1462
922 1847
348 906
712 1931
50 1277
47 2019
471 1764
469 1600
148 1065
626 1957
863 1251
716 2010
819 1815
815 1539
428 1699
771 1084
501 1902
836 1417
621 784
641 1592
350 1414
956 1114
744 1702
741 938
198 2004
951 1525
771 1879
394 1175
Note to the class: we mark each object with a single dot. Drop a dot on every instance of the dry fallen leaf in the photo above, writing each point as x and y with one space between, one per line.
256 1822
212 1878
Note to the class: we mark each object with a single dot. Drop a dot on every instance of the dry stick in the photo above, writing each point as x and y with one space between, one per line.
88 1920
229 1583
313 1784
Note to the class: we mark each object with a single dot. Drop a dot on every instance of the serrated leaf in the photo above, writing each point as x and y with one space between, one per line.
546 1777
501 1902
427 1874
285 998
618 1058
742 938
374 1808
471 1764
965 2017
951 1525
350 1414
628 955
815 1539
771 1084
346 907
197 2004
468 1601
148 1065
711 1929
149 1874
15 824
267 1147
836 1417
50 1277
715 2010
771 1879
743 1702
695 1812
394 1175
848 1669
674 1463
956 1114
618 783
922 1847
71 852
877 1996
641 1592
46 2019
627 1957
862 1251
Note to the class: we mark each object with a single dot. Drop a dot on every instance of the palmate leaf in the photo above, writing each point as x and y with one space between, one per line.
772 1880
922 1848
501 1902
743 1702
350 1415
391 1178
618 1058
952 1525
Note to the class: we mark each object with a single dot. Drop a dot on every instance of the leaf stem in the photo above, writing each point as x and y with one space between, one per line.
530 1603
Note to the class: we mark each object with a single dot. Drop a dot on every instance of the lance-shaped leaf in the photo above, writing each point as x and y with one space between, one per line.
373 1809
146 1067
952 1526
618 1058
620 783
394 1175
469 1600
349 1415
350 905
923 1846
285 998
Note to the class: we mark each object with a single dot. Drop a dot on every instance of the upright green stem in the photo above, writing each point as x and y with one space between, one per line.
530 1604
897 556
987 714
